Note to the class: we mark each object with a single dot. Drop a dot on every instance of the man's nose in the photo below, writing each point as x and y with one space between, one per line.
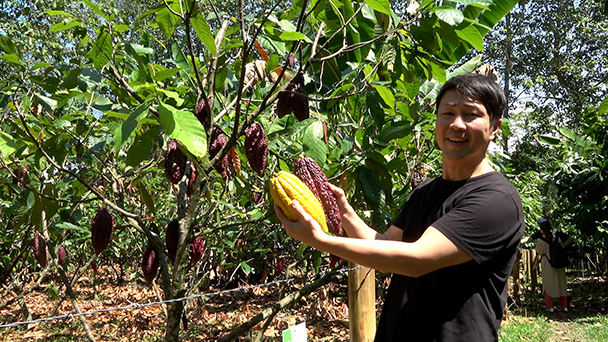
458 122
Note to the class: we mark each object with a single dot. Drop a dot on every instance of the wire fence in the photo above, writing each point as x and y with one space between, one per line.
135 306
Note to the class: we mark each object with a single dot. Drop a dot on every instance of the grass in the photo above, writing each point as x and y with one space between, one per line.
587 320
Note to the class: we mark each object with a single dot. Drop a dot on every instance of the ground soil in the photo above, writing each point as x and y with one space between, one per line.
324 311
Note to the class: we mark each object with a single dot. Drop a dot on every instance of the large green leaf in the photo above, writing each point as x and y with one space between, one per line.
549 140
313 144
184 127
450 16
382 6
166 21
204 33
126 129
496 12
471 35
102 49
373 191
8 145
142 146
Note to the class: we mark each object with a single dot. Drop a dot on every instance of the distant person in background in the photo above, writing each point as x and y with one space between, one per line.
554 278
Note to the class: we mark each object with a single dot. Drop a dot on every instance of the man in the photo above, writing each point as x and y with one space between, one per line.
452 247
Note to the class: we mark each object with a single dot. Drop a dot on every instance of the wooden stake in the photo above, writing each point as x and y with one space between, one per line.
362 303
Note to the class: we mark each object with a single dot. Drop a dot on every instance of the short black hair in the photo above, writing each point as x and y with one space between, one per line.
479 88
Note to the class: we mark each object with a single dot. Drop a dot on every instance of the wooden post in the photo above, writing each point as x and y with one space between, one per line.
362 303
534 268
515 274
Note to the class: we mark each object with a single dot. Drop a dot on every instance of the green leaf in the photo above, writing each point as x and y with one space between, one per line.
394 132
98 10
245 267
142 147
54 12
166 21
373 101
603 108
64 26
471 35
184 127
7 45
548 140
386 95
8 145
382 6
373 191
450 16
101 50
204 33
146 196
294 36
126 129
496 12
12 58
313 144
46 102
180 59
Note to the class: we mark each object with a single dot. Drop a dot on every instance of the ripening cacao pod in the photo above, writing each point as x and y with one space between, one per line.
203 110
172 237
285 104
311 174
300 106
39 249
61 255
175 162
286 187
197 248
149 264
101 230
256 148
217 140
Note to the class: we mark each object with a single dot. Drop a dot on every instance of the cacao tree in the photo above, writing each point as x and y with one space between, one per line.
153 121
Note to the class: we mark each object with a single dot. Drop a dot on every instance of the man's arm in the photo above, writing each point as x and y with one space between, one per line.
384 252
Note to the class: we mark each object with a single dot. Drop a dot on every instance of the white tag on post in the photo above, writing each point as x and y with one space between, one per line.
296 333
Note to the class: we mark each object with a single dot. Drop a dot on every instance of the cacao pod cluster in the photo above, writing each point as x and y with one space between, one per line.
312 175
101 229
217 140
175 162
294 100
149 264
39 250
286 187
256 148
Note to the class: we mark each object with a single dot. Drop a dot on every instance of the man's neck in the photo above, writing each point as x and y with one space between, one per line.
455 170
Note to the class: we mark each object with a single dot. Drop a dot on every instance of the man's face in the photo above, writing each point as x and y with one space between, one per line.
463 128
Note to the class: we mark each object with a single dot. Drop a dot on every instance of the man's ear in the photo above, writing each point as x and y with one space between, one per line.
495 129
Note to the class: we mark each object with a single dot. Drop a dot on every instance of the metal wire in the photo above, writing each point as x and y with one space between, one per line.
135 306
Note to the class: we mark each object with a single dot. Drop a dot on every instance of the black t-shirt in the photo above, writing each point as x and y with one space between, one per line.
483 216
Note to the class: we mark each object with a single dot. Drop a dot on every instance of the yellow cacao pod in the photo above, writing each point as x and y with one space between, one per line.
286 187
